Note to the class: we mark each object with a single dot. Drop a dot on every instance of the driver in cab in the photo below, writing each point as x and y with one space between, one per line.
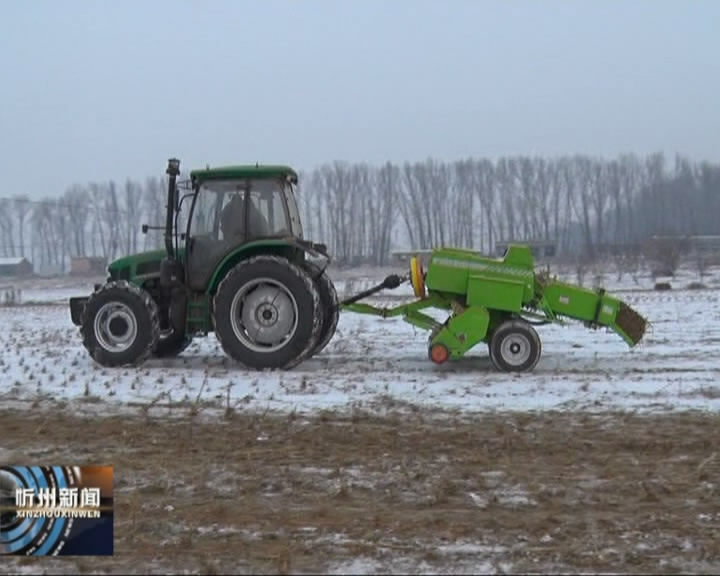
233 219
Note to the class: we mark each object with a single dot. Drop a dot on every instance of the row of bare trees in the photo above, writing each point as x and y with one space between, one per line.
584 205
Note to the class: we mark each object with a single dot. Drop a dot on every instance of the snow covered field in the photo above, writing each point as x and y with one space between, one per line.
375 362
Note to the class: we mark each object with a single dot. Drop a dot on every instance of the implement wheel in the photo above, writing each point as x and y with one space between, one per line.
515 347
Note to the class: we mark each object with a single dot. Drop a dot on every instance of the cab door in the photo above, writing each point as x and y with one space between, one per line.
216 227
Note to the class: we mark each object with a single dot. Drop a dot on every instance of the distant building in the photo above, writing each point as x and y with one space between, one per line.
706 248
87 266
15 267
695 244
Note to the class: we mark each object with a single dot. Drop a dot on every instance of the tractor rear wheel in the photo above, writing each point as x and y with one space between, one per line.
329 303
267 313
120 324
515 347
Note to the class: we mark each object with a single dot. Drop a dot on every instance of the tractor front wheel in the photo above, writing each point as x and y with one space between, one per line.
515 347
120 324
267 313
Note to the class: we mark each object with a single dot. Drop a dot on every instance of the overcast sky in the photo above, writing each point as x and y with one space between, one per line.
93 90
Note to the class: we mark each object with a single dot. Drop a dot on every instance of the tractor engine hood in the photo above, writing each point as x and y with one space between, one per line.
140 264
144 264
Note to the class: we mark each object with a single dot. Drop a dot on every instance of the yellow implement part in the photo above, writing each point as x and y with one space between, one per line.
417 278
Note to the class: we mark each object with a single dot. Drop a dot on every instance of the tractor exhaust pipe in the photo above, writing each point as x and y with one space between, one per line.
173 170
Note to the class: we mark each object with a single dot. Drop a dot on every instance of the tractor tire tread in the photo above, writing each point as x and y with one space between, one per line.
330 303
147 301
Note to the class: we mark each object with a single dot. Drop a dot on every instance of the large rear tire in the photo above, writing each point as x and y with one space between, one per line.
267 313
120 325
515 347
329 303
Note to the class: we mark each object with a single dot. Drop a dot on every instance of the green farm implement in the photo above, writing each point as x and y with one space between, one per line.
498 302
240 267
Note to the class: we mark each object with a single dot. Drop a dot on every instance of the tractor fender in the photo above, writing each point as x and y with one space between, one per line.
290 248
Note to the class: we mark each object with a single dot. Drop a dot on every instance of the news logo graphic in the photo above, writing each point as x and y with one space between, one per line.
56 510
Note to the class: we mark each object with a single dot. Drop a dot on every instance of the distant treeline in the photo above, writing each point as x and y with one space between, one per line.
585 205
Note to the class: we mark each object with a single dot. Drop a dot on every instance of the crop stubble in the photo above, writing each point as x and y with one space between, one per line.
409 490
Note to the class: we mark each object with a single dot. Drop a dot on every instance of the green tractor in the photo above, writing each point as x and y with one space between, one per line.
239 267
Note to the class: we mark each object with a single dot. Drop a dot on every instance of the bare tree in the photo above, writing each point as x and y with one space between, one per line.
6 227
386 193
305 197
99 232
61 236
411 209
337 195
41 221
113 218
506 191
581 198
587 206
153 200
77 206
464 205
132 214
22 210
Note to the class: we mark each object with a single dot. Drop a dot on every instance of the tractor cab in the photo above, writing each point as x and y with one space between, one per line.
234 206
244 203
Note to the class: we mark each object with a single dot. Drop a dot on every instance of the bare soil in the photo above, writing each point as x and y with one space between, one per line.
406 491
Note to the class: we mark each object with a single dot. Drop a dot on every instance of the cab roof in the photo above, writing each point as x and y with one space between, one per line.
244 172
